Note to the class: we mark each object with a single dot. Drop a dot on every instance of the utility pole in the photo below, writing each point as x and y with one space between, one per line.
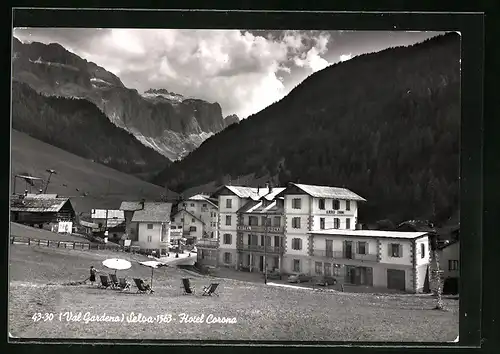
50 171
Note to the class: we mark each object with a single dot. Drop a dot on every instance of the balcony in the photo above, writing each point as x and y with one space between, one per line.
342 255
207 243
260 249
270 229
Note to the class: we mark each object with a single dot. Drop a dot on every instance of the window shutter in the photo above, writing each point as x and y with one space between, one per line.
389 250
357 247
367 251
300 243
401 250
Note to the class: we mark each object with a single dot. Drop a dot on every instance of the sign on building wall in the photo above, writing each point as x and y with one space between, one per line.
65 227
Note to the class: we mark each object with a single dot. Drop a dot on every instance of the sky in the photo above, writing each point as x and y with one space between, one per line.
244 71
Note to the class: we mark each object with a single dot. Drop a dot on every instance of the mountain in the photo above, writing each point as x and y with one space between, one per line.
233 118
167 122
385 125
88 184
71 124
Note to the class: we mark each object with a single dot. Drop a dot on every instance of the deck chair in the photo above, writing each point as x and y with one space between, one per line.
114 281
186 286
211 289
141 287
123 284
104 282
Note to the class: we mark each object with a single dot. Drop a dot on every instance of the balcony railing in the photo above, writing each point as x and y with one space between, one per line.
270 229
207 243
343 255
258 248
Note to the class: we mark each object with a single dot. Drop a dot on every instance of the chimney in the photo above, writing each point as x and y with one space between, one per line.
268 188
258 189
142 203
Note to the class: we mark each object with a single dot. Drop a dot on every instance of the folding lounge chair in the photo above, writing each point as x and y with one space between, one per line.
141 287
211 289
114 281
124 285
186 286
104 282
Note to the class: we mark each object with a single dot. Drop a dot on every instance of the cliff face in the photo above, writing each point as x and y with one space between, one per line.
163 120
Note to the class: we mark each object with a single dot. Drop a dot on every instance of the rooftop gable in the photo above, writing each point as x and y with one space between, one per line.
153 212
322 192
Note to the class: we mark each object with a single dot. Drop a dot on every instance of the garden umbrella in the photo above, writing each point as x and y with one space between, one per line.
152 265
116 264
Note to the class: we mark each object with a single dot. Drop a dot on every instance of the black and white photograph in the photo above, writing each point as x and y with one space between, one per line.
235 184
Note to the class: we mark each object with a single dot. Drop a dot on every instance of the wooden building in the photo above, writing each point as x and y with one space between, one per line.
40 209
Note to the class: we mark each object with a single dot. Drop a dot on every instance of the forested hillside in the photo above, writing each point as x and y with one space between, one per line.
79 127
385 125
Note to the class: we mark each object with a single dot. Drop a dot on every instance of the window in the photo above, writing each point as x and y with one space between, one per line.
328 269
268 241
229 203
321 203
150 238
182 219
192 228
184 205
296 244
336 270
318 268
362 248
277 221
296 223
336 223
395 250
321 223
265 221
227 257
296 203
422 250
336 204
296 265
252 221
227 239
192 219
150 226
277 241
192 204
204 205
228 220
452 264
173 227
347 205
347 223
211 234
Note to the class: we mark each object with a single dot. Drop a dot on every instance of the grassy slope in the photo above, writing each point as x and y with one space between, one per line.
106 187
19 230
273 313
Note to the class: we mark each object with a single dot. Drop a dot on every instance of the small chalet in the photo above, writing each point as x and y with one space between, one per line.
40 209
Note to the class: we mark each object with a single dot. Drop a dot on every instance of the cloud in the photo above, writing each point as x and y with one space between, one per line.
345 57
244 71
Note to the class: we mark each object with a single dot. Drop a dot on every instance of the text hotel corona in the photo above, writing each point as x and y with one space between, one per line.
132 317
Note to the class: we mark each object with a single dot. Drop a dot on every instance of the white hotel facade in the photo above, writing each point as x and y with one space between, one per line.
317 236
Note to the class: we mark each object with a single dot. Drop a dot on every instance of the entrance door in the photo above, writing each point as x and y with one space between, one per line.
348 249
261 263
396 279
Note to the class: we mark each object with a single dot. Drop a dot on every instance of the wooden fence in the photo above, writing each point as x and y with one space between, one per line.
17 240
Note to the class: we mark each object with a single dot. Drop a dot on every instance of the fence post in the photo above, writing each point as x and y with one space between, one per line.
58 244
29 241
48 243
74 245
38 242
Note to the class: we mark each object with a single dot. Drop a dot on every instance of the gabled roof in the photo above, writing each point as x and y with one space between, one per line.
370 233
38 203
153 212
251 192
130 206
326 192
202 198
262 207
274 192
187 212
